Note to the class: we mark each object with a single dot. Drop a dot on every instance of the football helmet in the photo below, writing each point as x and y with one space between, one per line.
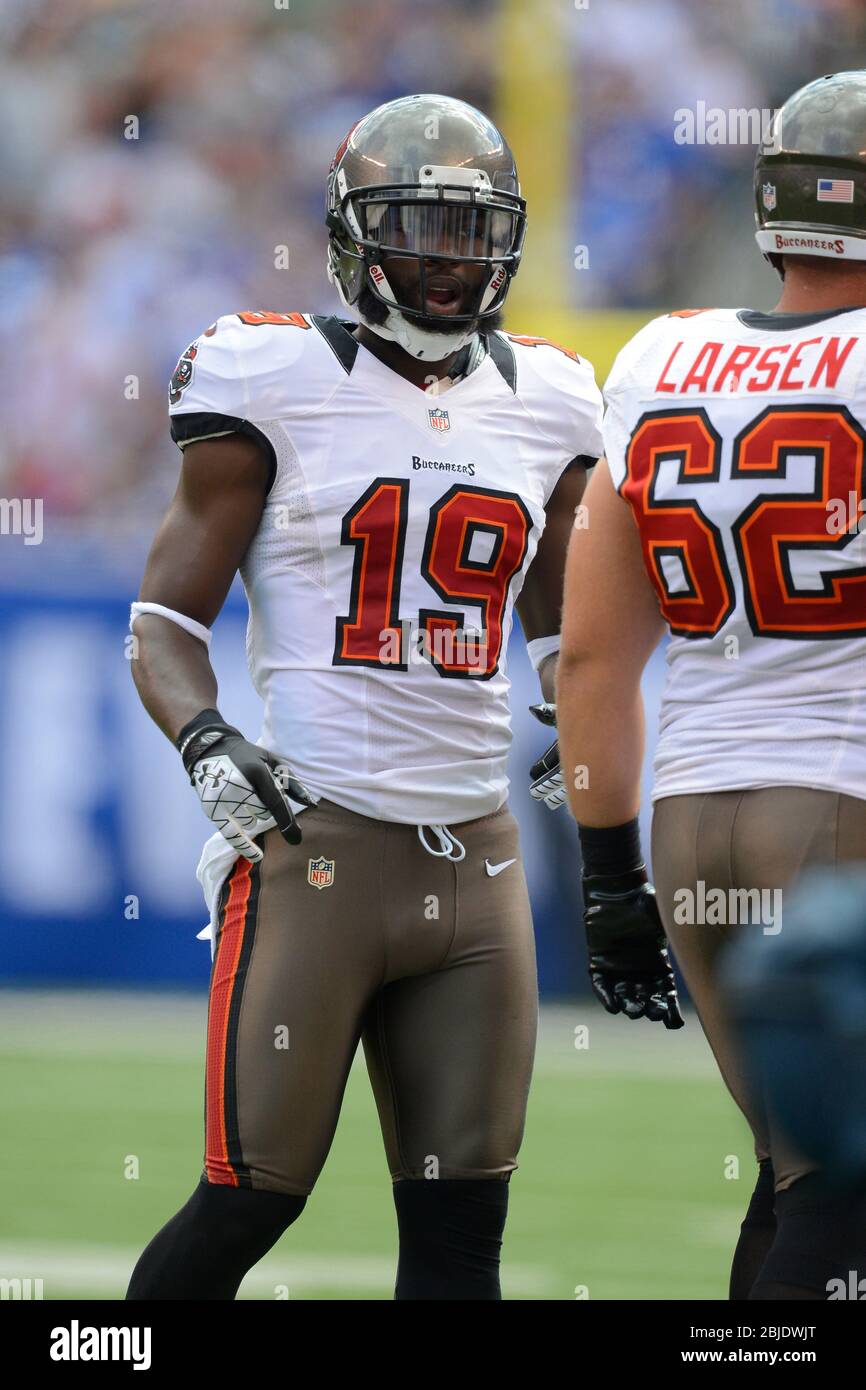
421 188
810 176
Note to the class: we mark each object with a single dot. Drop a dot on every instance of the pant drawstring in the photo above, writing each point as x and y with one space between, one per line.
448 842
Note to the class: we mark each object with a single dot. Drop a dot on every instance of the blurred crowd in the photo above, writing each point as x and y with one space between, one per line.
658 214
156 154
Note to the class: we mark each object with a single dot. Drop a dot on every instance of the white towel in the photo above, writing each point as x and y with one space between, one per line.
216 862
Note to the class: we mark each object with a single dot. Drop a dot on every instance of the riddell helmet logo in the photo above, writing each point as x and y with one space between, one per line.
439 419
496 282
377 274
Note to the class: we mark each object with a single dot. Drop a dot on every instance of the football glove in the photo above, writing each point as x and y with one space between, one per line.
242 787
629 965
546 782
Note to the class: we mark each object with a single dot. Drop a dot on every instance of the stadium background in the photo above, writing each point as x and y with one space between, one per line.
114 253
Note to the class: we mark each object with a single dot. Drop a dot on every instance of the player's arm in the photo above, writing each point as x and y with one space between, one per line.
540 603
540 610
198 548
611 625
194 558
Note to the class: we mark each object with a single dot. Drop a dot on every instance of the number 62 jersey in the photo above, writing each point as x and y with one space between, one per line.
395 538
737 438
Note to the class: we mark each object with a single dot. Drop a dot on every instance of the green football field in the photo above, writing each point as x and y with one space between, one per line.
635 1171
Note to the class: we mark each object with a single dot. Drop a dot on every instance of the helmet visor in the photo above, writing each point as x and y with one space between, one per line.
421 225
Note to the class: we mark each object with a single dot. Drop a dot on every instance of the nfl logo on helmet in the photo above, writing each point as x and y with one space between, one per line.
769 196
439 418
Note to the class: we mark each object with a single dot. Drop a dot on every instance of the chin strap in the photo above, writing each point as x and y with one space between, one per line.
418 342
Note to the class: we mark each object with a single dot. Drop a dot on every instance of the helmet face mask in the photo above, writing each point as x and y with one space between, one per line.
810 179
433 245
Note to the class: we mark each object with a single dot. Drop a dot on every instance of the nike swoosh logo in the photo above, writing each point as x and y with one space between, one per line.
494 869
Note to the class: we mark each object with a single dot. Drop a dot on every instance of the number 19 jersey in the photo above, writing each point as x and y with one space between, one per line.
737 438
395 538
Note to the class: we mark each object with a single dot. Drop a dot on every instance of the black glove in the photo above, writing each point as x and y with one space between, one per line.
243 788
629 964
546 782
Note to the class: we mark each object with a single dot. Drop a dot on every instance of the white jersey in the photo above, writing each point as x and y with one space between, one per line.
395 538
738 439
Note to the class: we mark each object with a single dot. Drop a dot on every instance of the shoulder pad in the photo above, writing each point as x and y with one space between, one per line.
254 365
528 341
558 389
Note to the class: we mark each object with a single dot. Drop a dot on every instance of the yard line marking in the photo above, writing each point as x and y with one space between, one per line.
105 1269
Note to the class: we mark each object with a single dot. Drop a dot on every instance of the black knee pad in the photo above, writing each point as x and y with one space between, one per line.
813 1243
450 1237
227 1217
205 1250
757 1231
762 1204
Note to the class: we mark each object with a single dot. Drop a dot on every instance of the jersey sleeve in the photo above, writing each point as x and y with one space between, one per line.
621 389
240 372
208 394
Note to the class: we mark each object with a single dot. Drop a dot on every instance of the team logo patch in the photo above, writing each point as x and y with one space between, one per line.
768 196
320 873
182 374
438 418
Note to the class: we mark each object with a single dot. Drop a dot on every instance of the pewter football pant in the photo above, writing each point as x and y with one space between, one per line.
757 839
431 963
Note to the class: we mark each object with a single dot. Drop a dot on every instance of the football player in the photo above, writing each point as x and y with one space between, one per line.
729 513
389 485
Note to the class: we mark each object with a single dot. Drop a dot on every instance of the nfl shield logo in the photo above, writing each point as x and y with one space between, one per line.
768 195
320 873
439 418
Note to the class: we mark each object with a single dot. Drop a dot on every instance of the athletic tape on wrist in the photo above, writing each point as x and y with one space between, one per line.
540 648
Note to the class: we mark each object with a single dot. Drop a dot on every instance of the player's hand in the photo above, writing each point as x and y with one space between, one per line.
629 964
546 782
242 787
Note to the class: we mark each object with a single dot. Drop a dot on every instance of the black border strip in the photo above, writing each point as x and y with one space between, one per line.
196 425
503 359
234 1150
336 334
781 322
